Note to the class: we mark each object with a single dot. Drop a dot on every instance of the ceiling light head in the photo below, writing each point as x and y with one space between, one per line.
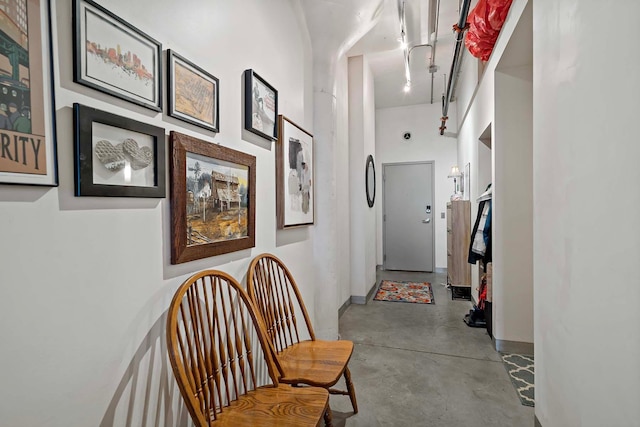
407 87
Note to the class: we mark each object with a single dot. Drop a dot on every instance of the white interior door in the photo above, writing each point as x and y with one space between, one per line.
408 240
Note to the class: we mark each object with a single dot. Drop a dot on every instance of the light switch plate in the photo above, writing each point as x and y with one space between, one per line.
442 215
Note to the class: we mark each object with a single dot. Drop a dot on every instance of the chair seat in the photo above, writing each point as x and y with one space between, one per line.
281 406
317 363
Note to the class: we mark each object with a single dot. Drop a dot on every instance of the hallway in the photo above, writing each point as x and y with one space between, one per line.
419 365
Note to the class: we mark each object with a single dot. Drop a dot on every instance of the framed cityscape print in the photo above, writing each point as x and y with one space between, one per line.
213 198
27 108
295 201
117 156
260 106
114 57
193 93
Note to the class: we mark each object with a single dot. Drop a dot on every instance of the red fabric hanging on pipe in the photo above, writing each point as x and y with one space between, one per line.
485 22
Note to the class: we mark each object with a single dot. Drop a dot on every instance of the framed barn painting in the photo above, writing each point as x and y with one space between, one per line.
212 199
114 57
260 106
193 93
117 156
27 108
295 200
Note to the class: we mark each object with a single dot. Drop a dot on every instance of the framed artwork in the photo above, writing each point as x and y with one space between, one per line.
260 106
114 57
193 93
294 175
117 156
213 199
27 108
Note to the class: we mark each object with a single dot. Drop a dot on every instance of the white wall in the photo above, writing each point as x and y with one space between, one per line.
586 228
361 144
86 281
425 144
510 124
342 176
360 197
512 209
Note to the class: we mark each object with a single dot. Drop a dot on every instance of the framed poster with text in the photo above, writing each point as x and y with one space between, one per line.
27 110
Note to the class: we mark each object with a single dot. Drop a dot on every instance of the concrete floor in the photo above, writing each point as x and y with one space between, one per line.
421 365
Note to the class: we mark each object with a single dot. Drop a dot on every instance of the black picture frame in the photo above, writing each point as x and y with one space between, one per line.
370 180
116 58
27 99
295 175
258 108
101 164
187 99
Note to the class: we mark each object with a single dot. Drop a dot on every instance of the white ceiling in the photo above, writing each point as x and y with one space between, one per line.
381 47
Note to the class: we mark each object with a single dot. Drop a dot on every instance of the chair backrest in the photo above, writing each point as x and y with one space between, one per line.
276 295
210 329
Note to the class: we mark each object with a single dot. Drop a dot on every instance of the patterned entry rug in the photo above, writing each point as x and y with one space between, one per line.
418 292
521 371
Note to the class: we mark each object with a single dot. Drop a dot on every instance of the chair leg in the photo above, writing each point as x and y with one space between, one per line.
351 389
328 417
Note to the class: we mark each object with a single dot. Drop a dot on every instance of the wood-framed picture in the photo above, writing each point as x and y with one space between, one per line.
193 93
116 156
260 106
114 57
213 198
27 108
295 200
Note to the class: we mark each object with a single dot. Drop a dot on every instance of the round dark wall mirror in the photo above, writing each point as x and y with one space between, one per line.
370 179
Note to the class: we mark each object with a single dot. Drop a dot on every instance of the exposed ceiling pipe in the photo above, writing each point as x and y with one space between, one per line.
434 41
405 44
460 28
433 37
434 18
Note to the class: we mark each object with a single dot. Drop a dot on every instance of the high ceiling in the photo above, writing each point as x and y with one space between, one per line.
381 46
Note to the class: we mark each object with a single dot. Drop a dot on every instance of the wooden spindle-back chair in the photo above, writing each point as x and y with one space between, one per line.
313 362
221 359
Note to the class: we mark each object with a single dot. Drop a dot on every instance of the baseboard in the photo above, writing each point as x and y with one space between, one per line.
344 307
442 270
536 421
504 346
356 299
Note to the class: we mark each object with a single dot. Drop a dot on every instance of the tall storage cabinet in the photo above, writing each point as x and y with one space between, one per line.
458 239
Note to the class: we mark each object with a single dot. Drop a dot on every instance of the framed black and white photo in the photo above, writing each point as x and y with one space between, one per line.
114 57
117 156
260 106
27 108
193 93
295 200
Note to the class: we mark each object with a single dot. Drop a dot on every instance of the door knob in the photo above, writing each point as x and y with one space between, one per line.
426 221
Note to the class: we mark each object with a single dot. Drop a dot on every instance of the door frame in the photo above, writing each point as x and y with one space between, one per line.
384 208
